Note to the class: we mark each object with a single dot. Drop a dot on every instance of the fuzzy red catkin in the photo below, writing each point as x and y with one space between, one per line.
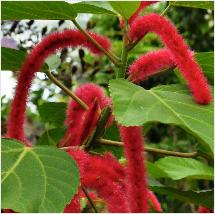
179 50
49 45
203 209
76 114
154 201
150 64
105 175
101 176
136 171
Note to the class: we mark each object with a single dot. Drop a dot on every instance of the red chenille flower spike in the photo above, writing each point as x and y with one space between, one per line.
179 50
77 116
203 209
105 175
136 172
49 45
154 201
150 64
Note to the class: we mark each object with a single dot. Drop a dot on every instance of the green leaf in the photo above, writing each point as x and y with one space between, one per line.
177 168
51 137
205 197
196 4
12 59
52 10
155 171
53 113
125 8
38 179
170 104
53 62
93 7
206 61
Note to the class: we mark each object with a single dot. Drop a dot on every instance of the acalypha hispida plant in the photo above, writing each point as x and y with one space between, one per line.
124 188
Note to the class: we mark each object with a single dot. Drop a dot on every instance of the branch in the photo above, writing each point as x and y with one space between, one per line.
89 199
66 90
149 149
124 56
112 57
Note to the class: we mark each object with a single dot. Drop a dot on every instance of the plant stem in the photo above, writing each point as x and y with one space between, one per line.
149 149
66 90
124 56
166 9
89 199
111 56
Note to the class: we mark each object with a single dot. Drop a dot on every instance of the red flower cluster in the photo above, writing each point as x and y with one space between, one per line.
79 121
136 172
49 45
150 64
179 50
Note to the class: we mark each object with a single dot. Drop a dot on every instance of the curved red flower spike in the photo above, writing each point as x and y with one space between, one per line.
49 45
150 64
136 172
77 117
155 203
203 209
179 50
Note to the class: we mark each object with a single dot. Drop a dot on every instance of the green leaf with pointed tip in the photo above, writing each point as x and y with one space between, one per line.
170 104
177 168
195 4
125 8
36 179
52 10
53 112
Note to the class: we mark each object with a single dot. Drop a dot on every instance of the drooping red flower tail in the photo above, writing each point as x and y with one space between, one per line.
150 64
154 201
49 45
77 116
105 175
143 4
203 209
136 172
179 50
107 181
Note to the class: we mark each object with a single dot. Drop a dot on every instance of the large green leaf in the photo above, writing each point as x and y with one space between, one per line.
125 8
206 61
155 171
177 168
51 10
53 113
204 198
38 179
170 104
12 59
195 4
